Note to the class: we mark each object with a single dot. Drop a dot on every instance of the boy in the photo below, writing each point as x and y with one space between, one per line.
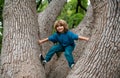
65 39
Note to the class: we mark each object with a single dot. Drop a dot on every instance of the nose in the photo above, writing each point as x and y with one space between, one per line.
59 27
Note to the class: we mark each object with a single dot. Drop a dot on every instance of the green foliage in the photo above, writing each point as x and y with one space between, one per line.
42 6
1 8
1 20
84 3
75 20
1 2
69 13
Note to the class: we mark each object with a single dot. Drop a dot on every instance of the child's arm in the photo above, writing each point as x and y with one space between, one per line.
43 40
83 38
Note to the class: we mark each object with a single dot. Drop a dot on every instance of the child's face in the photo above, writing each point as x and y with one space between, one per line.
60 29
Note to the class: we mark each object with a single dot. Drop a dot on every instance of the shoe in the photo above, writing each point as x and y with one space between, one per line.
72 65
43 61
41 57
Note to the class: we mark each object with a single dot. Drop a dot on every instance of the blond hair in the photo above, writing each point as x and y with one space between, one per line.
61 23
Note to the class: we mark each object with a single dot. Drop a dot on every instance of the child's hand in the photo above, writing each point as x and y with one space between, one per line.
87 39
42 41
39 41
83 38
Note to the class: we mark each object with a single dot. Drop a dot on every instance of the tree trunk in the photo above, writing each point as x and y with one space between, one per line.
101 57
20 47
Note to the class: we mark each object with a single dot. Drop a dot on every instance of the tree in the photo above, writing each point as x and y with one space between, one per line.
20 48
101 57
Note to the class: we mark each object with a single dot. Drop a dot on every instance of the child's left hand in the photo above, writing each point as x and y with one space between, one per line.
83 38
87 39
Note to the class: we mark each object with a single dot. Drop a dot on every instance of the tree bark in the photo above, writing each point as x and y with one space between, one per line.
20 47
101 57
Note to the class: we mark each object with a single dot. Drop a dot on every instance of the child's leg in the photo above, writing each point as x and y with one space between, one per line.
68 55
53 50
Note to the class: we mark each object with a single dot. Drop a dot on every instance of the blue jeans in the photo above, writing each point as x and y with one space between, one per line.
59 48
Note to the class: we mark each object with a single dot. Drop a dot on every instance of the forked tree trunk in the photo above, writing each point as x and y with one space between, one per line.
102 56
20 47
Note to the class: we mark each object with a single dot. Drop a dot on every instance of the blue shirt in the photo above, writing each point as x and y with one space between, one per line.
65 39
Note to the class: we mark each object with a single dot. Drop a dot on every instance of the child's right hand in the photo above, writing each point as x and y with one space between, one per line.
42 41
39 41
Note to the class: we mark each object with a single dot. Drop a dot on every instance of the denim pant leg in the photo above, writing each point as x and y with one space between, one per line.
53 50
68 55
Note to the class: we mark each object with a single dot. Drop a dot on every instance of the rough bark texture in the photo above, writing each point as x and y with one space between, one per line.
101 57
20 47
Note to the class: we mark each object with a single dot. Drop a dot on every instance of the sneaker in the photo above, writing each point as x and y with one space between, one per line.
43 61
72 65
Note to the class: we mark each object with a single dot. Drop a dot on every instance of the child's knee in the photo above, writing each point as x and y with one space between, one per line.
67 54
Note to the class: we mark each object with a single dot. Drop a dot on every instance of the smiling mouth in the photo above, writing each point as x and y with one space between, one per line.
60 30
